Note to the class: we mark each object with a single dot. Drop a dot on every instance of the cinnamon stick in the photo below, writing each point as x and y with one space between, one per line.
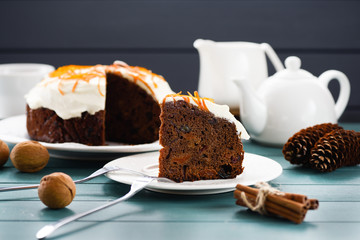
268 204
294 217
293 205
296 197
272 208
314 204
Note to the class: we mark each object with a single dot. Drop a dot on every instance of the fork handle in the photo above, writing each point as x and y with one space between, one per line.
50 228
4 189
95 174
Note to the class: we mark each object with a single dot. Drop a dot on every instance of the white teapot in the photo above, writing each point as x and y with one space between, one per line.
288 101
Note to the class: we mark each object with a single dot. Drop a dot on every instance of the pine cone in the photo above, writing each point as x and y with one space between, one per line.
336 149
297 149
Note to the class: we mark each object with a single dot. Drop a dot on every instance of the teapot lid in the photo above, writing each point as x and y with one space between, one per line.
292 70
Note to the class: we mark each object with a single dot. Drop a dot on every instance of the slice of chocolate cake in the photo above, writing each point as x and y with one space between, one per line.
200 139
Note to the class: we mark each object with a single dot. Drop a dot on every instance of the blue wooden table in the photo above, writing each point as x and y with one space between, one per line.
150 215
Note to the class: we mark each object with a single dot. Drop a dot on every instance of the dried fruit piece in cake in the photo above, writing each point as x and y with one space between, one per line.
200 139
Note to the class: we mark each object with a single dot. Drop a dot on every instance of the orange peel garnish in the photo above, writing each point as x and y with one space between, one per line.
77 73
196 98
86 73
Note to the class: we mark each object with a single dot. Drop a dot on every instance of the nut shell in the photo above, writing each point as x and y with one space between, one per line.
57 190
4 153
29 156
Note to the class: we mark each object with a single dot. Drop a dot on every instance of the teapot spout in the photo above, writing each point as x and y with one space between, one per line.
253 111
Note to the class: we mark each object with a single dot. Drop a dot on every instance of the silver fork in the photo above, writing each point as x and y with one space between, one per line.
136 186
97 173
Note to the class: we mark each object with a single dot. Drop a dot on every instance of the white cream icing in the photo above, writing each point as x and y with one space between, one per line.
221 111
58 95
89 96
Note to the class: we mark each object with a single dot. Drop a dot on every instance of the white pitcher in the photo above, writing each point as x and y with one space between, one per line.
221 62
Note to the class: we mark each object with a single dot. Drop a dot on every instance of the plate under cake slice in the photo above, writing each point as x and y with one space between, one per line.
94 104
201 140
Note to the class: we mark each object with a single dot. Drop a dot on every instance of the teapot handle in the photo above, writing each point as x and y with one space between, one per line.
272 56
344 94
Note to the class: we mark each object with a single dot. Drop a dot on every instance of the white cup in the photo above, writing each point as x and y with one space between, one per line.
16 79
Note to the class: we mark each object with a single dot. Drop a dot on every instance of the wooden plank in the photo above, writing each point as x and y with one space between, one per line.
266 151
187 230
291 175
346 175
148 210
176 24
338 192
325 193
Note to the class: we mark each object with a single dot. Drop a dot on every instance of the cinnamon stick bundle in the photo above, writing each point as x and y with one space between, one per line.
290 206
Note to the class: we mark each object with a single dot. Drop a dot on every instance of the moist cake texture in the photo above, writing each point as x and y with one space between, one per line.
200 139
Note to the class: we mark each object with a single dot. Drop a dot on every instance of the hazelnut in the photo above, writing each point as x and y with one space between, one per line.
29 156
57 190
4 153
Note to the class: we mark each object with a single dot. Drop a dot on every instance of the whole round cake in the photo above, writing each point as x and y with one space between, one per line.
95 104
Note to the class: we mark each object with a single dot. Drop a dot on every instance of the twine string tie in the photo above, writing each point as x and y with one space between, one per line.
264 190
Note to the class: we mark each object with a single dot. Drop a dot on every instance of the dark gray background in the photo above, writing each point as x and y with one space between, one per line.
159 34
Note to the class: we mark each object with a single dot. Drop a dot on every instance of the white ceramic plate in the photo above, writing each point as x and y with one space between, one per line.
13 130
257 168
